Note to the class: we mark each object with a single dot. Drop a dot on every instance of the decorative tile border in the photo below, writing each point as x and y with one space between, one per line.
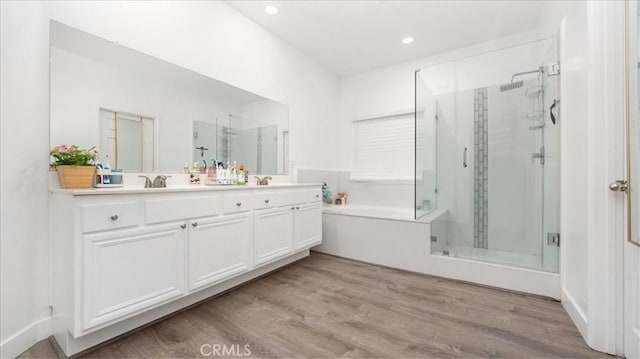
480 168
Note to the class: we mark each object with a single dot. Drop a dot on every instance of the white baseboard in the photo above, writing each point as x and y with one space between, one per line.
24 339
575 313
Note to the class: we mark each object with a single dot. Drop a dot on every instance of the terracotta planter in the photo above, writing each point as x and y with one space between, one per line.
76 176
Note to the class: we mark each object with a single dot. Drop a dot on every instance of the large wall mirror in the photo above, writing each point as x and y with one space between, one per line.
153 116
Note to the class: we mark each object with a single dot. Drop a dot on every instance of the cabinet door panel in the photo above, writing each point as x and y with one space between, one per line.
130 271
307 226
273 234
218 249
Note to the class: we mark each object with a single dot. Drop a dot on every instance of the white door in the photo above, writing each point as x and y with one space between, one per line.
632 301
129 271
219 248
273 234
632 246
307 225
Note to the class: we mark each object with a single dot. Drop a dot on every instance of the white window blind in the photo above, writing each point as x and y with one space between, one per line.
384 149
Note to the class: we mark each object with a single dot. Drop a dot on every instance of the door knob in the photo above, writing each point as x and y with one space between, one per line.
619 186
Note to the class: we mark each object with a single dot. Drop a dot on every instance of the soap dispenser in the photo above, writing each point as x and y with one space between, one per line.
106 179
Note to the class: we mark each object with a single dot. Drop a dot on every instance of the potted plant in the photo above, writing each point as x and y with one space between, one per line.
75 166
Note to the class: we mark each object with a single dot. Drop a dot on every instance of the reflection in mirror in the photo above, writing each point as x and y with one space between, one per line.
150 115
227 138
130 138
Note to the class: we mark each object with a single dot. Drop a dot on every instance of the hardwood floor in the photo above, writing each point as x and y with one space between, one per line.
327 307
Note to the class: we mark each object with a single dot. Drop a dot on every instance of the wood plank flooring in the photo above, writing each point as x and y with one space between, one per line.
329 307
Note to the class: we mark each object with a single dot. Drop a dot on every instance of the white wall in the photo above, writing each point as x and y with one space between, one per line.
24 146
207 37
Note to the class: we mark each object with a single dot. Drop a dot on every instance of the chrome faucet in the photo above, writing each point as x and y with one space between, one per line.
160 181
262 182
147 182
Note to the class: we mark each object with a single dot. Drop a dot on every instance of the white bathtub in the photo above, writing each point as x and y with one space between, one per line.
391 237
400 214
381 235
390 213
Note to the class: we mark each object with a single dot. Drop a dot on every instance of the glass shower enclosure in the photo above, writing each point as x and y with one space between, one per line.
492 123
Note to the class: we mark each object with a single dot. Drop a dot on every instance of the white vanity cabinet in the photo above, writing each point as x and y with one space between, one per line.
127 271
307 225
273 233
130 256
219 247
295 224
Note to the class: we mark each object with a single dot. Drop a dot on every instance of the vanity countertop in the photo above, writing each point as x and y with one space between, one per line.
177 188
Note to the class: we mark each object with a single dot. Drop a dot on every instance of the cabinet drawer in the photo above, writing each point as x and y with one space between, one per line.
234 203
174 209
264 200
102 217
285 198
309 195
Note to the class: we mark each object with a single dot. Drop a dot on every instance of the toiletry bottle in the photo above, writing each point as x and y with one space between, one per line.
98 167
195 167
241 174
185 168
234 174
106 179
212 169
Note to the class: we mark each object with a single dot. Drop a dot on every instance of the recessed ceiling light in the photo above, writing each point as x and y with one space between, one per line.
271 10
407 40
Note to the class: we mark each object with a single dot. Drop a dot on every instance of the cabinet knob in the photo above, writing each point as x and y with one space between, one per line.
238 204
114 217
266 201
317 196
292 207
194 224
297 207
183 226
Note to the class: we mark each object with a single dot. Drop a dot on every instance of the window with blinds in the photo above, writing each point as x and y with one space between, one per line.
384 149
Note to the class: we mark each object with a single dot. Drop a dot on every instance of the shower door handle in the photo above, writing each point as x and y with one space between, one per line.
464 158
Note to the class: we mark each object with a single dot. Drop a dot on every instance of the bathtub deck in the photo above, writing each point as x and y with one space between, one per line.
328 307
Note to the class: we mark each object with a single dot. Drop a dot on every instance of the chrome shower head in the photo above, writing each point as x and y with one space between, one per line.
511 86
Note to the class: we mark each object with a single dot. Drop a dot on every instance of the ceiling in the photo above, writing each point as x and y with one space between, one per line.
351 37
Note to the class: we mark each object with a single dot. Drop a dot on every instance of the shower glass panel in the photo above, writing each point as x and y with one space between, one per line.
497 155
425 147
